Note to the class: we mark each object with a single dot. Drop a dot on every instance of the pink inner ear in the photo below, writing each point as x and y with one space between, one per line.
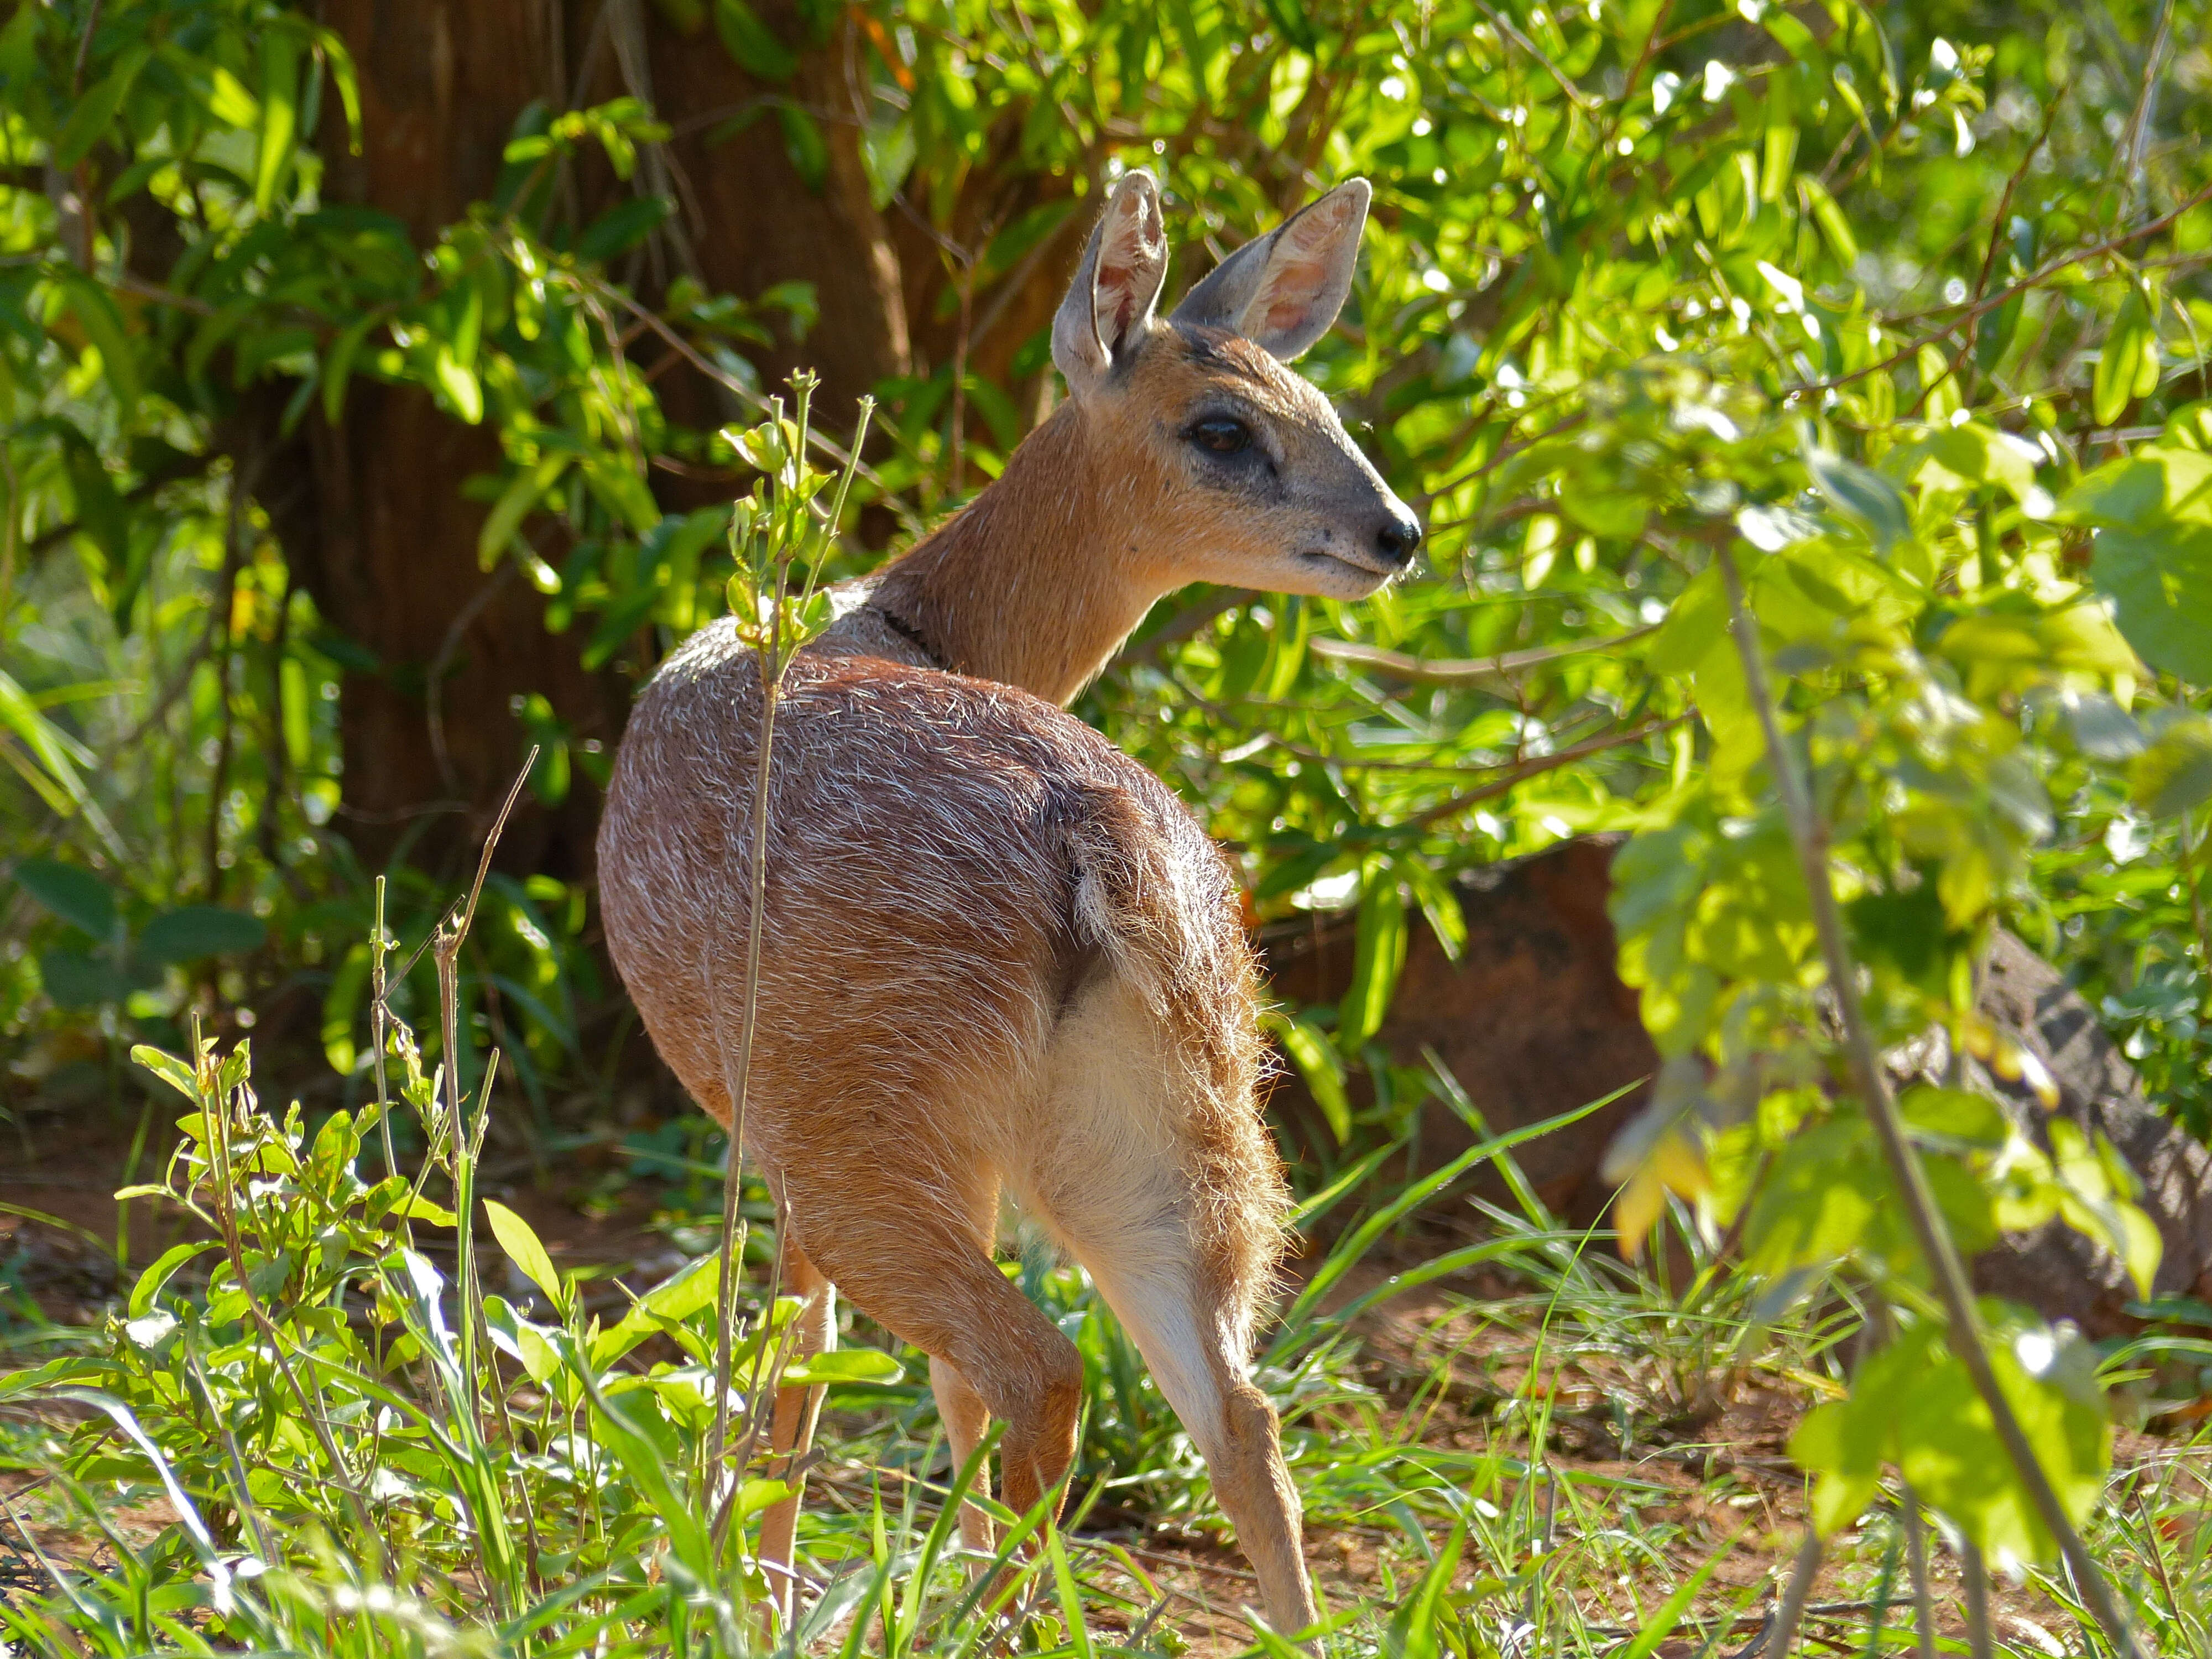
1117 301
1129 245
1293 288
1300 270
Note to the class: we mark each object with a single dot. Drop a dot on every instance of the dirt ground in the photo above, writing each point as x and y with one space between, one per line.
1723 1476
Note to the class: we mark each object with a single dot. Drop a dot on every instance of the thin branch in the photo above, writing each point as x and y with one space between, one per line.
723 378
1916 1556
1465 670
1186 623
1523 773
1808 832
1580 100
1982 307
2146 109
1784 1634
1977 1604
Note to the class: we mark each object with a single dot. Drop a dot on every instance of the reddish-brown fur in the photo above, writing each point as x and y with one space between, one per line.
999 955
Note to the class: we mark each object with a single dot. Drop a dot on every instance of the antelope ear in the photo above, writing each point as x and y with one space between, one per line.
1116 285
1283 290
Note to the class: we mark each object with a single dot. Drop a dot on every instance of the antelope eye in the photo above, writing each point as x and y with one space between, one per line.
1221 434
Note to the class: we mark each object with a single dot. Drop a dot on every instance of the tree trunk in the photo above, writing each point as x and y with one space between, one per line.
371 510
380 533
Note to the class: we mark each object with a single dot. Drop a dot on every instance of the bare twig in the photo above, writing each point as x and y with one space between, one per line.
445 950
1982 307
1782 1635
434 692
1465 670
1977 1603
772 658
2146 109
1809 834
1916 1557
1185 623
723 378
1523 773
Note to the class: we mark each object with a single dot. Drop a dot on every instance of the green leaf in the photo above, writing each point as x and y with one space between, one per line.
752 43
2120 364
1440 906
1948 1447
522 1248
642 1462
460 384
337 364
229 102
1378 954
154 1279
167 1068
678 1298
523 492
2102 729
846 1365
2095 1191
2160 581
804 143
2159 484
622 228
200 930
1865 497
415 1207
103 325
530 1346
1317 1059
1696 623
78 896
1830 217
1820 1200
76 979
1841 1444
96 111
2174 773
279 113
331 46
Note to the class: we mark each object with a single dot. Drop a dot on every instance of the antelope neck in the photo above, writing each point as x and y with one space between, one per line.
1037 581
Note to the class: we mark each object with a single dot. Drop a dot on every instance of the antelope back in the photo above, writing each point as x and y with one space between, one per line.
949 864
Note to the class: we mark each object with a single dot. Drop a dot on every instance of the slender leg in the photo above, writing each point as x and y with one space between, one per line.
1148 1150
965 1418
1180 1330
796 1409
929 1277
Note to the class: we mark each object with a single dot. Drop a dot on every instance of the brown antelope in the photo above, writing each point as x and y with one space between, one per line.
999 955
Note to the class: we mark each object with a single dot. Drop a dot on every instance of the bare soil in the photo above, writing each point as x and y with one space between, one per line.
1716 1465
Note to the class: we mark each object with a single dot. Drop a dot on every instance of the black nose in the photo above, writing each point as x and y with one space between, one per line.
1398 541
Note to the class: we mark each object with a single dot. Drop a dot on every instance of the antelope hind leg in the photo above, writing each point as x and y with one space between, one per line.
791 1433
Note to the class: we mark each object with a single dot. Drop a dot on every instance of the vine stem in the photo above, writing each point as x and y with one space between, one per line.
1810 837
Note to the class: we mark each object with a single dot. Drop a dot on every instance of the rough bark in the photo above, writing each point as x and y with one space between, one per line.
2055 1268
371 511
1533 1021
754 223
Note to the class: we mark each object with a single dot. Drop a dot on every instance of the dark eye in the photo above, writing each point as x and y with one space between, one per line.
1222 434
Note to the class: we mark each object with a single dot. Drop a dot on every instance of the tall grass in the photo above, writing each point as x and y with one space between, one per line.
357 1459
